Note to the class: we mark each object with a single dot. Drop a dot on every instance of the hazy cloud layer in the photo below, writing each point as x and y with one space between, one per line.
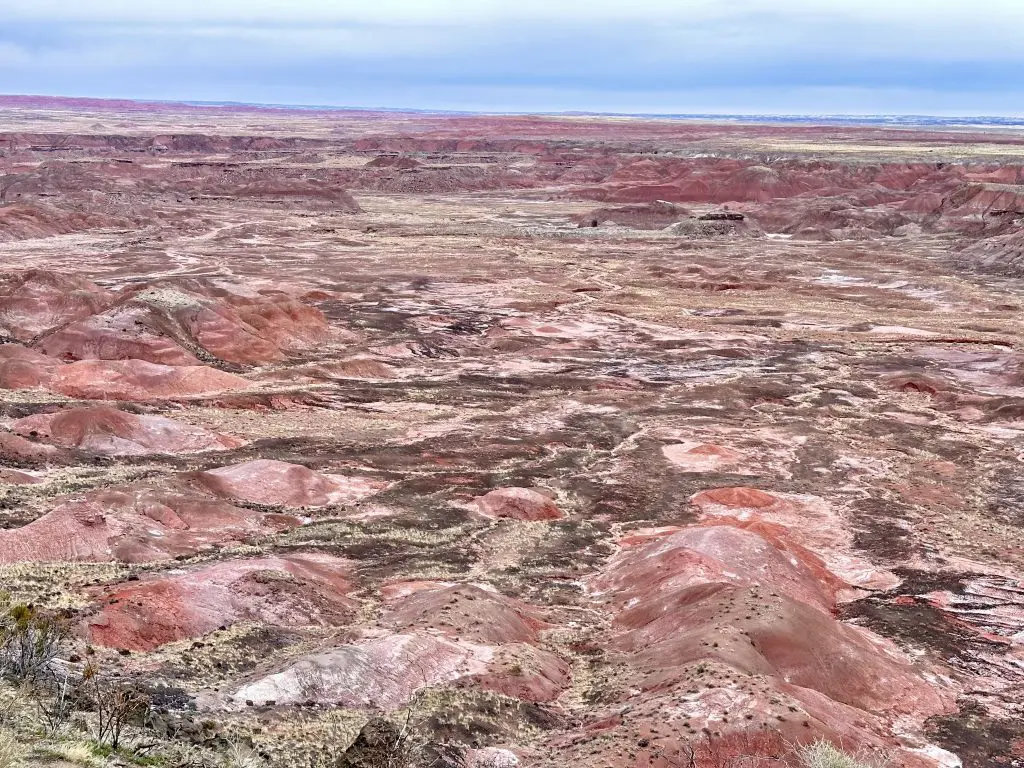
646 55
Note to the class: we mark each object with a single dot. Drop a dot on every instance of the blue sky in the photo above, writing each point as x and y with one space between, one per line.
943 57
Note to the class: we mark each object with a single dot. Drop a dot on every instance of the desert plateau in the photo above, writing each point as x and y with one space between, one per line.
547 441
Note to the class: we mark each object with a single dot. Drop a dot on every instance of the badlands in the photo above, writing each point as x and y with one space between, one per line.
612 443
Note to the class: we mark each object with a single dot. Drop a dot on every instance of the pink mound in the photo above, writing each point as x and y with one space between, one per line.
468 612
740 604
702 457
786 540
293 591
136 524
766 723
14 477
518 504
525 672
759 633
140 380
383 672
400 589
178 326
745 498
23 368
36 300
13 447
265 481
19 353
716 554
105 430
806 522
118 334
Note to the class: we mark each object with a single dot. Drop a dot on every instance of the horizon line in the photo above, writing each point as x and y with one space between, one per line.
908 117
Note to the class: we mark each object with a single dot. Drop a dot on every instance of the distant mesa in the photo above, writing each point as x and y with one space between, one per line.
721 216
310 192
656 215
715 225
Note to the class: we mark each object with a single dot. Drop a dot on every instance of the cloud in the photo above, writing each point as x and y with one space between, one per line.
995 12
597 53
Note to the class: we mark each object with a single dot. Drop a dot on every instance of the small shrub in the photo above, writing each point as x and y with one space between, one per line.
823 754
116 704
55 699
240 756
30 640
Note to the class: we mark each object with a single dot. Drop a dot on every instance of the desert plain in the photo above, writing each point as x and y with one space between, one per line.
605 442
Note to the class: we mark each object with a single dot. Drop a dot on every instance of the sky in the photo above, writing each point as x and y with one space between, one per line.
934 57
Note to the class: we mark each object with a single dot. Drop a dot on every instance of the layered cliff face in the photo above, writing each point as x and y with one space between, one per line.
598 442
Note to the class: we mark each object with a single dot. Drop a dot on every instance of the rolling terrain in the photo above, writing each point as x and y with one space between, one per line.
591 441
